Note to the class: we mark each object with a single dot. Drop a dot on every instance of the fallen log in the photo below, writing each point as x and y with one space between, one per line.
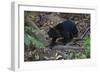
61 47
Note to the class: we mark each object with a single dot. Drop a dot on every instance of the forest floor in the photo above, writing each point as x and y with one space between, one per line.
78 48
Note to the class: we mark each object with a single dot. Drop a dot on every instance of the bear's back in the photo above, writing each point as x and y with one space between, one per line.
68 26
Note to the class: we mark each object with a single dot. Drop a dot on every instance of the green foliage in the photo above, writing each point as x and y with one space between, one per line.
86 52
26 39
31 35
83 54
87 46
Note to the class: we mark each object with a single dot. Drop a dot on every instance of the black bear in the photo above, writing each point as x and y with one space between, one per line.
65 30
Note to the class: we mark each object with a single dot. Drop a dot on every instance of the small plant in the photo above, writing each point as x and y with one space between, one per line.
87 46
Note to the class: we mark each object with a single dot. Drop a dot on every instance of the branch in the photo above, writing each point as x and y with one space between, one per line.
82 36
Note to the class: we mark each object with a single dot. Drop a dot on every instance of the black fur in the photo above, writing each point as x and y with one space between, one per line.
66 30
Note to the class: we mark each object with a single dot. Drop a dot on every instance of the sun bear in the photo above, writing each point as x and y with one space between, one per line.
66 30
